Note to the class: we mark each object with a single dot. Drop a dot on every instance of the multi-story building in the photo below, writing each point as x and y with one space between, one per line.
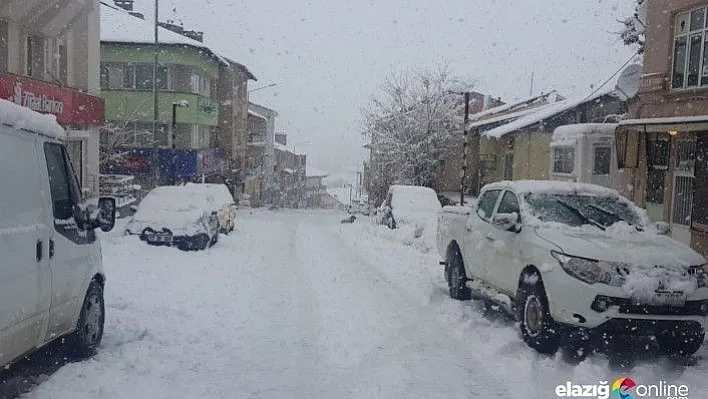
49 62
260 159
664 142
192 139
290 174
315 188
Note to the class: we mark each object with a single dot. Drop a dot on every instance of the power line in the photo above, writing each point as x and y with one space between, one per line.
611 77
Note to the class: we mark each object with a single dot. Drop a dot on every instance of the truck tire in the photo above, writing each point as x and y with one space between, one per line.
538 328
456 276
89 329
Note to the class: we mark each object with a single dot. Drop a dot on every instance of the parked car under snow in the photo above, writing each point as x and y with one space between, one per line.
576 264
409 205
176 216
226 206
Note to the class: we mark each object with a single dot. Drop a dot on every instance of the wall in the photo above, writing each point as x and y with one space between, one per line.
532 151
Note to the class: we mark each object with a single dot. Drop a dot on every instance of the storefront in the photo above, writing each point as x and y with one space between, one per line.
668 158
79 113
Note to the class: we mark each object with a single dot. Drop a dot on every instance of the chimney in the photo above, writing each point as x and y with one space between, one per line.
127 5
486 102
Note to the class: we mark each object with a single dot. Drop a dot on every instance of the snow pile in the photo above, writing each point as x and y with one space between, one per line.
179 209
24 118
219 192
553 187
569 134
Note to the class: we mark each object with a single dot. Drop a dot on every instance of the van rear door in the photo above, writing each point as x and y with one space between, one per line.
24 240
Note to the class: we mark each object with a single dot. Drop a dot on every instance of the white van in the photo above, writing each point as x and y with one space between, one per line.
51 273
585 153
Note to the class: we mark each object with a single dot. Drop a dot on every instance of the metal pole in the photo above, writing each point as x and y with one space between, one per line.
154 76
173 128
464 148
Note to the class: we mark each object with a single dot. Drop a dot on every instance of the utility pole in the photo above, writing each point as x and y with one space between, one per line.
154 75
531 90
464 149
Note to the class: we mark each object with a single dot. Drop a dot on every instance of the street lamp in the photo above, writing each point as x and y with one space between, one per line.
173 127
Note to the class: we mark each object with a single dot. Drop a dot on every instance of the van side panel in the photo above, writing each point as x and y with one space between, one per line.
24 236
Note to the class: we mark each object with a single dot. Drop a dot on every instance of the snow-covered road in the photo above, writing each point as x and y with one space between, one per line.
296 305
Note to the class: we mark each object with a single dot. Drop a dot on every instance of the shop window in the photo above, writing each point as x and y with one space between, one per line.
699 215
563 159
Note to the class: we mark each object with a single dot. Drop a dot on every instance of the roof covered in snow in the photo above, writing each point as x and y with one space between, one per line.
24 118
119 26
552 187
314 172
572 132
511 107
257 115
664 121
541 113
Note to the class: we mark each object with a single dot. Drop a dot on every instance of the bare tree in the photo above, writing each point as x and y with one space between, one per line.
411 123
117 137
634 26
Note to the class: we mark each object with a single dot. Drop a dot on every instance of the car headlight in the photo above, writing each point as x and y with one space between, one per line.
701 275
583 269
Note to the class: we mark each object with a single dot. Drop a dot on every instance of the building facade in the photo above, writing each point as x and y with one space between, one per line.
49 62
664 142
260 155
290 174
192 139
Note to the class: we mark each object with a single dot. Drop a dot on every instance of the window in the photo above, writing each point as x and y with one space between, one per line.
486 203
509 166
563 159
30 59
63 64
62 181
105 76
139 77
509 204
4 47
690 65
75 150
603 157
658 153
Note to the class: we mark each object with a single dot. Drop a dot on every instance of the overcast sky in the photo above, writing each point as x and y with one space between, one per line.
328 56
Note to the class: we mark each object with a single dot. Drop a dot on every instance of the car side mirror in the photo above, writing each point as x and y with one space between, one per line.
103 217
506 221
663 228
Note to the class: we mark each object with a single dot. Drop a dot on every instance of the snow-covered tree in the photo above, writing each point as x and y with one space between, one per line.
117 136
410 124
634 26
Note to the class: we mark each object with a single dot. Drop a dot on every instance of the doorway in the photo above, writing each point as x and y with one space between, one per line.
682 193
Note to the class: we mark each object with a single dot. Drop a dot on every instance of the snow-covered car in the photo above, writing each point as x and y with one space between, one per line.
176 216
408 205
226 211
573 263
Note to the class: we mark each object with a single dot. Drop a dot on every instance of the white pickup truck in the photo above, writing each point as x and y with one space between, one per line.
572 263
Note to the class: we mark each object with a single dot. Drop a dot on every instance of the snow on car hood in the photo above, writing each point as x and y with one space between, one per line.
644 262
174 208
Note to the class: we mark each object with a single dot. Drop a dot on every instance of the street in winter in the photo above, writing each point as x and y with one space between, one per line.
393 199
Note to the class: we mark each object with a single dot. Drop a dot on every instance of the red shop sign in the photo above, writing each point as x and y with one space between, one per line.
70 106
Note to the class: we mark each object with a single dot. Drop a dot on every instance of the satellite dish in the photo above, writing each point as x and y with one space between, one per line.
628 82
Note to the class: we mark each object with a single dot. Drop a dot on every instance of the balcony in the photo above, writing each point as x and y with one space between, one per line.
257 140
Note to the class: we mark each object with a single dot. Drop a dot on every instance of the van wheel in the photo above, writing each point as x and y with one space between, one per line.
89 330
456 277
537 326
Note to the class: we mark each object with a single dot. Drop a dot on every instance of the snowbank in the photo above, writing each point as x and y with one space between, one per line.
24 118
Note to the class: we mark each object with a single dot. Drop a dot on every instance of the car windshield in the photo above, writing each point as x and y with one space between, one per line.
579 210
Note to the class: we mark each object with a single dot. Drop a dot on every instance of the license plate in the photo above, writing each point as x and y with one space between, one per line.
160 238
669 298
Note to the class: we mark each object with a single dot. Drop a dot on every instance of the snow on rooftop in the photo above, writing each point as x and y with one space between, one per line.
541 113
572 132
507 107
257 115
117 25
664 121
24 118
314 172
552 187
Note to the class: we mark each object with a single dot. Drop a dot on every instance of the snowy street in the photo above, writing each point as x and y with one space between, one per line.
294 304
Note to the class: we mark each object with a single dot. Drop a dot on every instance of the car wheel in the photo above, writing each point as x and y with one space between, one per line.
537 326
680 343
456 277
89 330
202 242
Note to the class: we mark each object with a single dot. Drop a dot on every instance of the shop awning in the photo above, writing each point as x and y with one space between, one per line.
680 123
